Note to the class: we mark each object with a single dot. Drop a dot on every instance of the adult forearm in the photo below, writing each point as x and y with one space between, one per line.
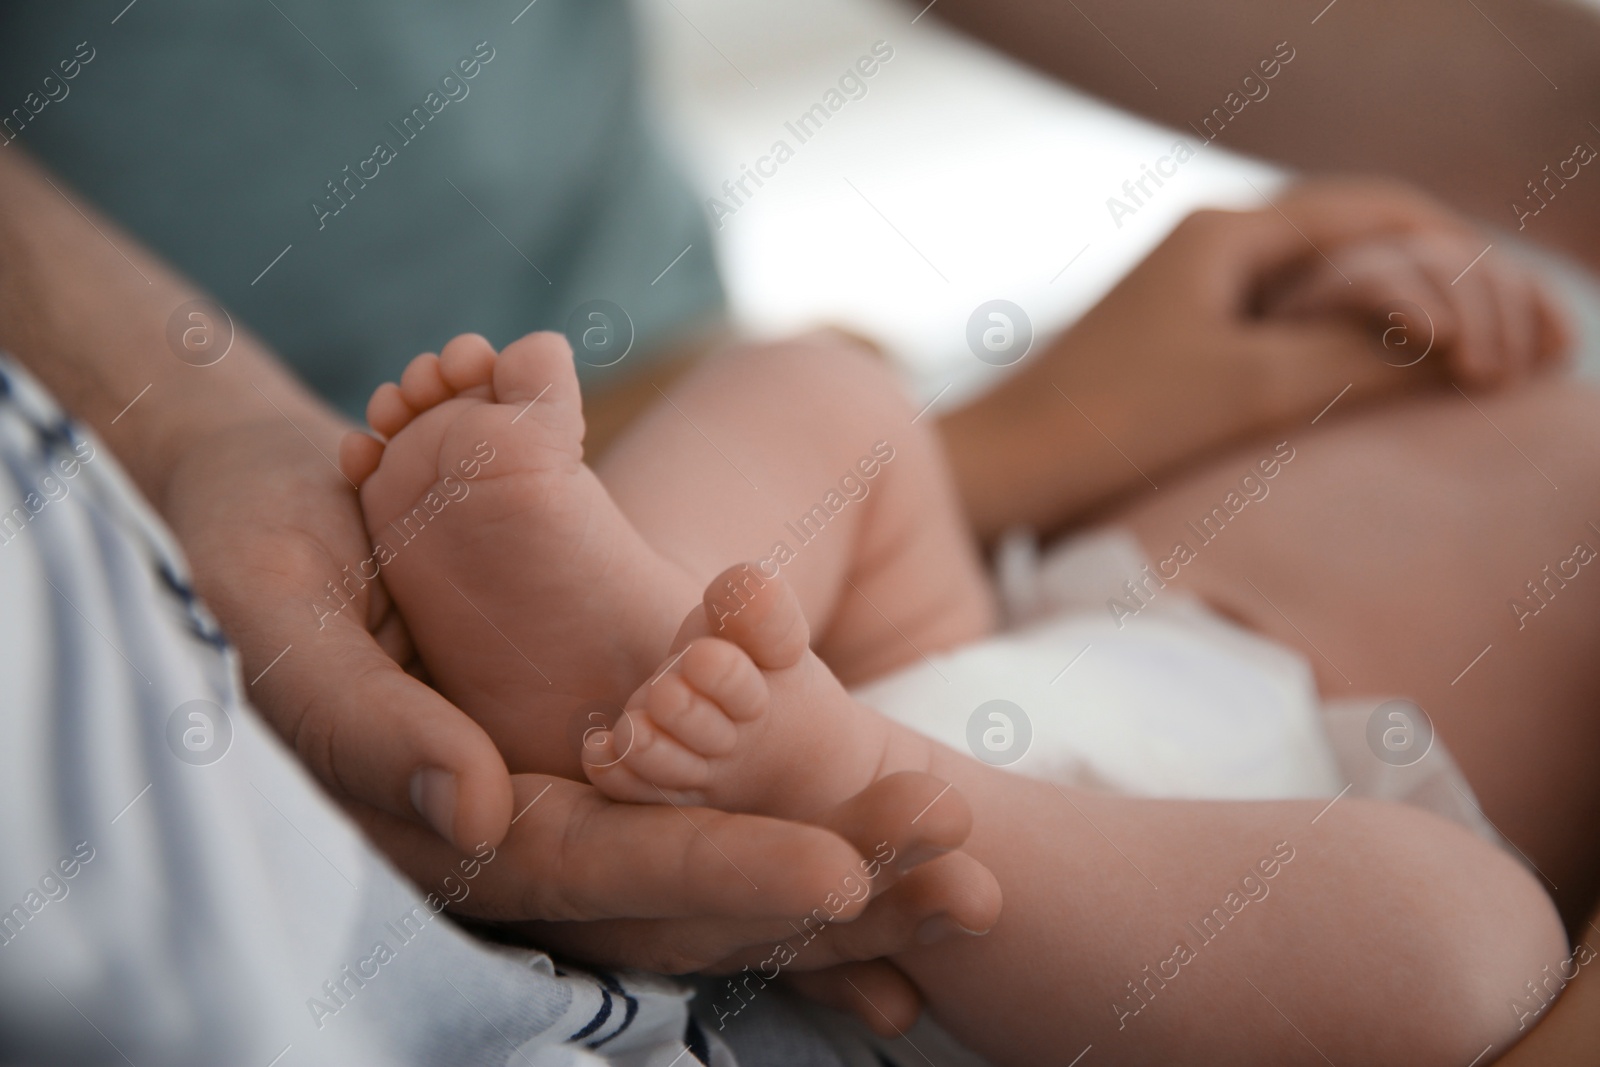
1428 90
87 310
1022 456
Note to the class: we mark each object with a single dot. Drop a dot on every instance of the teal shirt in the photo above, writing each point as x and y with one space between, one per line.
422 168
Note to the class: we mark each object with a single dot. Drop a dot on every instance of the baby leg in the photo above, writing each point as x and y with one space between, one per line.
806 458
1282 932
1156 931
535 601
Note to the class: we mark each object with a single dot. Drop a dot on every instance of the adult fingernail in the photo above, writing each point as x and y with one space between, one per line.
940 927
433 795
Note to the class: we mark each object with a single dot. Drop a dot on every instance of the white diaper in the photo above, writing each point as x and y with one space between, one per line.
1175 701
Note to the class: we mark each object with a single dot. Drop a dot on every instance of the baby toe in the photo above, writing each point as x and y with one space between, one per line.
617 781
359 454
693 719
467 362
423 384
387 411
759 614
724 674
658 759
537 367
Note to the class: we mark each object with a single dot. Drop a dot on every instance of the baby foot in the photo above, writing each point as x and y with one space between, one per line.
745 717
527 593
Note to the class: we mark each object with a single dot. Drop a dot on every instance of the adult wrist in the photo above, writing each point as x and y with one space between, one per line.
89 312
1034 451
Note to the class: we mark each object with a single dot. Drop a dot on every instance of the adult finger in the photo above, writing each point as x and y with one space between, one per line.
376 734
952 896
1230 259
676 889
902 820
1447 315
1303 367
573 855
580 856
1516 302
1490 344
1383 287
1481 355
1556 331
1312 220
270 527
874 991
916 911
1540 317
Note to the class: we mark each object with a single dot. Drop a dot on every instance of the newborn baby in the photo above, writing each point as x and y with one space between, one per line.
548 599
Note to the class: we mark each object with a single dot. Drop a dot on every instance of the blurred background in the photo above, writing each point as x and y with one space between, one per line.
960 177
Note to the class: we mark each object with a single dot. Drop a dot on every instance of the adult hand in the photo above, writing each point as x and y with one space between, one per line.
232 450
276 540
235 455
680 890
268 523
1489 319
1177 361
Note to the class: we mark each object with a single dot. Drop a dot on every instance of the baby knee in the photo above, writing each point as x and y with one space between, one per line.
1471 937
852 372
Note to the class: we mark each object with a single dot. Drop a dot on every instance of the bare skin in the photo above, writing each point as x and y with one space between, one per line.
742 715
243 485
1389 552
619 597
1175 366
746 718
1564 1034
495 463
236 457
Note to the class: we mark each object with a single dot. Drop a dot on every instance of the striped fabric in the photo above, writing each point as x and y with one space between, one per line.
174 889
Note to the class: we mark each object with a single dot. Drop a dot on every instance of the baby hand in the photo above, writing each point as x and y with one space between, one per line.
1488 318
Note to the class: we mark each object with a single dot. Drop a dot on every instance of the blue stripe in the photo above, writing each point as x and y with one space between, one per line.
598 1021
632 1002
